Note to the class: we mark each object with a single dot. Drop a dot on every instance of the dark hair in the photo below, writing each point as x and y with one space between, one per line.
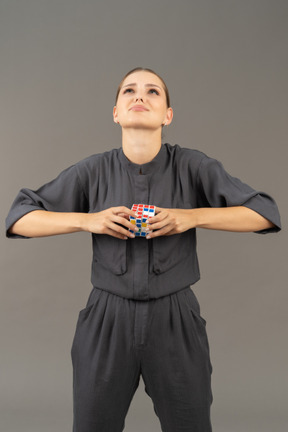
138 69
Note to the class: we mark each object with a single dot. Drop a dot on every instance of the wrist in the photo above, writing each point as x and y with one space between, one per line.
205 217
196 217
82 221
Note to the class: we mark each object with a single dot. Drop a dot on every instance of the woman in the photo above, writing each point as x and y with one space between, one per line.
142 316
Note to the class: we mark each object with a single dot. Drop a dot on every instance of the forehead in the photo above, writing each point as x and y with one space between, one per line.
142 77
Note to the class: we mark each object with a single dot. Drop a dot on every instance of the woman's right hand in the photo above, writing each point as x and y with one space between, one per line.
113 221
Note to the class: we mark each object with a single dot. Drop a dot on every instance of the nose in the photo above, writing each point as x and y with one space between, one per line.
139 96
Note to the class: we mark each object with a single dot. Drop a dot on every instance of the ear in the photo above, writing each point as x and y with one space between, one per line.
115 115
169 116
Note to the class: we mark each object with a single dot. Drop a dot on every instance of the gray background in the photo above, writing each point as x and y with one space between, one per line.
225 63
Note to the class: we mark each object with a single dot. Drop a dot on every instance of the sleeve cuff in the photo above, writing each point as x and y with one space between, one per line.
266 207
16 215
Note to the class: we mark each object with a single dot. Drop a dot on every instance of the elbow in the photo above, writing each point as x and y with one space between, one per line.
15 230
269 224
265 225
11 230
22 226
257 221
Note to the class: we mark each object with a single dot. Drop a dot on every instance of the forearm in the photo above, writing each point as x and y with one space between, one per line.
113 221
238 218
41 223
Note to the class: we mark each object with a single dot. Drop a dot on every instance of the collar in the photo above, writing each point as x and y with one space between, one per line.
155 165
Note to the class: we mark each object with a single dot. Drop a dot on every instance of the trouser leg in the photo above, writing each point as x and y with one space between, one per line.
175 364
106 370
163 339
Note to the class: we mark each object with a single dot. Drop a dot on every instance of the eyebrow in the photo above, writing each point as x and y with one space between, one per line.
146 85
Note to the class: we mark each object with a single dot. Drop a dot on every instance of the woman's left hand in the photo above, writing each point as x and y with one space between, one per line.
235 218
170 221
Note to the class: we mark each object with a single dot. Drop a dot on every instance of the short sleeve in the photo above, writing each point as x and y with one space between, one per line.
63 194
217 188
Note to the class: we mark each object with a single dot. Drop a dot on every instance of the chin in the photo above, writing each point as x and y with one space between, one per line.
140 125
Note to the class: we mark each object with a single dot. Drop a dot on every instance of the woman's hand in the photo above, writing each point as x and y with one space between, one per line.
41 223
236 219
170 221
113 221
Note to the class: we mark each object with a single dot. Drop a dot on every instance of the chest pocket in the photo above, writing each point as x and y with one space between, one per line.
168 251
110 252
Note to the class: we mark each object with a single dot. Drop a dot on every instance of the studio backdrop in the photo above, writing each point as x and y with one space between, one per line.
225 63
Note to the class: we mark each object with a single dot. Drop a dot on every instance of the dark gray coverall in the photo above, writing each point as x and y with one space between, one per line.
142 316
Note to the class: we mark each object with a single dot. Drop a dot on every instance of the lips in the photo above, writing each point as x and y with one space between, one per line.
138 108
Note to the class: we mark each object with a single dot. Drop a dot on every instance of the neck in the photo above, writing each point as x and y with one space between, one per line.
141 146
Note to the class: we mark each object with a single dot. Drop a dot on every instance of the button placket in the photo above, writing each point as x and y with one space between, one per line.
140 245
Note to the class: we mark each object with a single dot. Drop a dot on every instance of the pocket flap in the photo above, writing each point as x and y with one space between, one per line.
110 252
168 251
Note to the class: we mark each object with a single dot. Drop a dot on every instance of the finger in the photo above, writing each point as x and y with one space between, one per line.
123 210
158 209
160 217
123 215
156 226
161 232
116 234
157 216
158 223
118 229
126 218
124 222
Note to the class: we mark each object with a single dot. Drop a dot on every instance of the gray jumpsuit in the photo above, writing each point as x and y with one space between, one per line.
142 316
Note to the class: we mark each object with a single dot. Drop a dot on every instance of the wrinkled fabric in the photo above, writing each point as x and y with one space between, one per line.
176 178
142 318
164 340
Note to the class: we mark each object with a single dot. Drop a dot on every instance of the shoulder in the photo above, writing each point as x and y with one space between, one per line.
184 152
98 159
185 156
92 168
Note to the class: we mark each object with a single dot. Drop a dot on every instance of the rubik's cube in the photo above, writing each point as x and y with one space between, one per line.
143 212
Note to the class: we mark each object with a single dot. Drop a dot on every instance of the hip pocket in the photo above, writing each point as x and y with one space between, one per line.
194 306
84 316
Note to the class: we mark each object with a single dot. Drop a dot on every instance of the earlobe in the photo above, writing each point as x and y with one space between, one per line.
115 115
169 117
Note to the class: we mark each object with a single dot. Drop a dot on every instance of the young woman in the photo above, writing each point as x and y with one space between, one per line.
142 316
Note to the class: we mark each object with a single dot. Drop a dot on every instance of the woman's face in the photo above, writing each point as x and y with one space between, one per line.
142 103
